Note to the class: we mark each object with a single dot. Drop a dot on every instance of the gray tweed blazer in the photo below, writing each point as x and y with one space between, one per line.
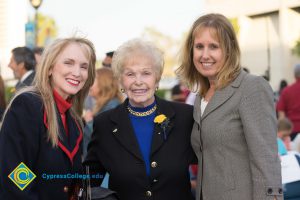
235 142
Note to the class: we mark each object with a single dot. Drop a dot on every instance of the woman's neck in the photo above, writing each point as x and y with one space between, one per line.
142 104
210 93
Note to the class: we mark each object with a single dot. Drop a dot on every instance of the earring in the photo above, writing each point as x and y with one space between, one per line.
156 88
122 90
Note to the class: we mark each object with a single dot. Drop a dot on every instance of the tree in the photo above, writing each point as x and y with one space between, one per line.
168 45
47 30
296 48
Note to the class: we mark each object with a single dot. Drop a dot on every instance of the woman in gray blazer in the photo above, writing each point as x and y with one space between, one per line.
234 133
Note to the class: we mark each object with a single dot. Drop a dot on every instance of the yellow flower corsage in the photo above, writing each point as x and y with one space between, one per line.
163 122
160 119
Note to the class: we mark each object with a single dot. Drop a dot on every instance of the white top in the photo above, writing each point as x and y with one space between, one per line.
191 98
203 105
290 169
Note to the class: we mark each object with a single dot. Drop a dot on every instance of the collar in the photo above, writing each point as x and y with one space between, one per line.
26 75
62 105
238 80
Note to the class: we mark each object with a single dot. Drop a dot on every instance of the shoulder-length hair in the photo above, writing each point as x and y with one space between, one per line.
43 88
108 88
225 34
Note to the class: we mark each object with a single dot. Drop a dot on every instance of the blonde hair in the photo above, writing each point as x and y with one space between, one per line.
108 88
138 47
225 34
42 85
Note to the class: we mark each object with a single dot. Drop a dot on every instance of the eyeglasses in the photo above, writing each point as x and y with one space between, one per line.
106 65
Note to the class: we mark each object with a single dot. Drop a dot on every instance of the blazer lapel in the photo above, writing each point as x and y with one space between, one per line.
123 131
159 137
75 133
221 96
197 115
68 144
197 110
63 139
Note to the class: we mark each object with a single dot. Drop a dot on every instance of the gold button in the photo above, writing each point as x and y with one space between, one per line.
66 189
154 164
148 193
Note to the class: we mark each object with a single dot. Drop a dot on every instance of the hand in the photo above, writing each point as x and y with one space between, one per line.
88 116
193 184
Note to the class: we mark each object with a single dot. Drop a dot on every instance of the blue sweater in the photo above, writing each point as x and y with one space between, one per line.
143 129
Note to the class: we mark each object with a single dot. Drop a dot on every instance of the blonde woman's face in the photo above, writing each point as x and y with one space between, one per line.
70 71
207 53
138 79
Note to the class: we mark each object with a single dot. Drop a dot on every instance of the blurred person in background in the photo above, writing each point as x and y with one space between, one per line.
290 161
107 95
144 143
23 63
288 104
89 103
283 83
2 97
42 127
38 51
234 133
284 130
179 92
108 59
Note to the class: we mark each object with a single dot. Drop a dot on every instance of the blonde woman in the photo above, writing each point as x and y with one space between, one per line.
234 133
42 128
107 95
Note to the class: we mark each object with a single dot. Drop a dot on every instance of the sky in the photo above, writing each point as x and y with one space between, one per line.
109 23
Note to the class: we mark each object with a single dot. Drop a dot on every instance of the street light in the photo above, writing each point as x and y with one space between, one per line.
36 4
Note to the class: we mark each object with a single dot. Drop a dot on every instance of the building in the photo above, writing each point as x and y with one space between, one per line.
267 31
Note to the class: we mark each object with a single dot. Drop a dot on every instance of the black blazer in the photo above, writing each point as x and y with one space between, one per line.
26 82
23 138
114 149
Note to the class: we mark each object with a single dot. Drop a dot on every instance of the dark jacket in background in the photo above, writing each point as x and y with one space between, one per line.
26 82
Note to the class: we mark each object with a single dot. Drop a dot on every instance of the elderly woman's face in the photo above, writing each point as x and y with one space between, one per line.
139 81
207 53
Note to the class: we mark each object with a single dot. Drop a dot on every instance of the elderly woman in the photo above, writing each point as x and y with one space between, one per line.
234 134
144 143
41 134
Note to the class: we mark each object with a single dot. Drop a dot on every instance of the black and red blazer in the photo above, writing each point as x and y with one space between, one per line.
24 138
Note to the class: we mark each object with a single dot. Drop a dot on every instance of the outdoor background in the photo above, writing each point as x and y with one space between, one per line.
268 30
